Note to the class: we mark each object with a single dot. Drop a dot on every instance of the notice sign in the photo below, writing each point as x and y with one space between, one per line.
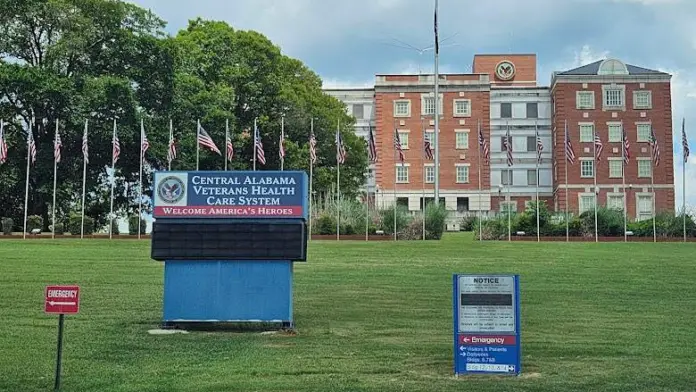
487 324
231 194
62 299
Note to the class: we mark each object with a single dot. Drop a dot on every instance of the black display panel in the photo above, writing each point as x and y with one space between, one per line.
229 240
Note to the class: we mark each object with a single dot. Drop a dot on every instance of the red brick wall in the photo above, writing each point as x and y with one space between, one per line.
525 68
521 201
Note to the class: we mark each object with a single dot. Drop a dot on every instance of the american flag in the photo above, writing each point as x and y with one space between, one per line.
57 144
655 147
144 143
540 147
260 154
85 144
397 145
230 148
32 146
116 146
569 153
626 145
371 147
206 141
685 143
483 145
171 151
281 145
508 147
340 149
3 144
312 148
428 149
598 147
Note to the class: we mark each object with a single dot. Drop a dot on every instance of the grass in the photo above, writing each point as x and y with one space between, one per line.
370 317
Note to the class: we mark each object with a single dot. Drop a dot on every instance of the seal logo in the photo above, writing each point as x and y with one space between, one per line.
505 70
171 189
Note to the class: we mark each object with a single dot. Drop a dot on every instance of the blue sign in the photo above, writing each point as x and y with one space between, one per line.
230 194
486 324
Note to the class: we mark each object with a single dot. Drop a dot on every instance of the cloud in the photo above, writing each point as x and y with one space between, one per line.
331 83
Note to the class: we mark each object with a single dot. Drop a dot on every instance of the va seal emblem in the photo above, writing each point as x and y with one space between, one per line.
171 189
505 70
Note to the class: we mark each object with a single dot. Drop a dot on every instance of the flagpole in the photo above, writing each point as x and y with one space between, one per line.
367 213
565 150
536 128
227 138
55 173
594 189
140 177
26 191
510 212
652 180
113 183
508 149
198 146
171 138
480 210
338 183
423 177
396 177
311 170
685 157
84 183
623 181
437 117
255 141
282 138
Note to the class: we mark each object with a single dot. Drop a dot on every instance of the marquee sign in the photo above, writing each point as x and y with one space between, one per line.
505 70
233 194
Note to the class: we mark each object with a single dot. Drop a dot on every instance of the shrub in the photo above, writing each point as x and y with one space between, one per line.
325 224
114 227
494 229
75 224
7 226
133 225
469 223
387 217
559 229
413 231
34 222
59 229
610 222
435 221
527 221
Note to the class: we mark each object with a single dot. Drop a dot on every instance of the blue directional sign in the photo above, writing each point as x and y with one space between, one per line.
486 324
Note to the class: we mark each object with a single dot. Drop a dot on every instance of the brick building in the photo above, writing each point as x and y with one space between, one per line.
502 95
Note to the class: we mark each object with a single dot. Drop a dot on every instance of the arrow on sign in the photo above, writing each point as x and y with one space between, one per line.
53 303
466 340
461 348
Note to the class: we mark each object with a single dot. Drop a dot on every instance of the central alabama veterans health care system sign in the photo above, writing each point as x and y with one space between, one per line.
486 324
232 194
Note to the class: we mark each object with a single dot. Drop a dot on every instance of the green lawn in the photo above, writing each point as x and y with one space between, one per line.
370 317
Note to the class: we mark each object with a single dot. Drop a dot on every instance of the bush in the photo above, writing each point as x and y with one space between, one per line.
435 221
527 221
34 222
559 229
75 224
7 226
494 228
413 231
610 222
325 225
133 225
59 229
403 218
469 223
114 227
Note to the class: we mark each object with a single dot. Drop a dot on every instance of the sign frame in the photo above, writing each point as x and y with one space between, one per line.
67 306
507 344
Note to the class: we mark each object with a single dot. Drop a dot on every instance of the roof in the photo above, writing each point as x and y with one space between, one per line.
594 69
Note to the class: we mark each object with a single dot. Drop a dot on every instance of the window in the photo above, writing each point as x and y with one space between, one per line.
429 174
642 99
615 168
461 139
402 108
615 135
430 136
358 111
505 110
403 137
462 108
584 100
532 177
428 104
587 202
586 133
645 205
643 133
587 168
502 143
531 143
532 110
462 204
402 201
615 202
401 174
644 167
613 97
508 206
462 174
506 177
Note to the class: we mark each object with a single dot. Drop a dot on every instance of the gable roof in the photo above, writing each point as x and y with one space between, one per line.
593 69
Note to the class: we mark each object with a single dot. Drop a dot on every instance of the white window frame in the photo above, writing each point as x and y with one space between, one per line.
456 173
616 127
579 104
408 108
511 177
640 215
581 206
427 96
404 135
615 205
612 162
644 163
508 205
647 128
535 176
465 113
586 126
648 98
405 167
584 160
426 168
606 89
430 136
465 145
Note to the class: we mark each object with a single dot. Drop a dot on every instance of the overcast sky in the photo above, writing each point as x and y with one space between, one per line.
348 42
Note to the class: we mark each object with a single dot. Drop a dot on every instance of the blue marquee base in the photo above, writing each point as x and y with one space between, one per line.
228 291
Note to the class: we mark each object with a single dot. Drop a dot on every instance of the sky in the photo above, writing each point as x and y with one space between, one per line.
348 42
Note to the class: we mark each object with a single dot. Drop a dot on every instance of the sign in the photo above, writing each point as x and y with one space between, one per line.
487 324
232 194
505 70
62 299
